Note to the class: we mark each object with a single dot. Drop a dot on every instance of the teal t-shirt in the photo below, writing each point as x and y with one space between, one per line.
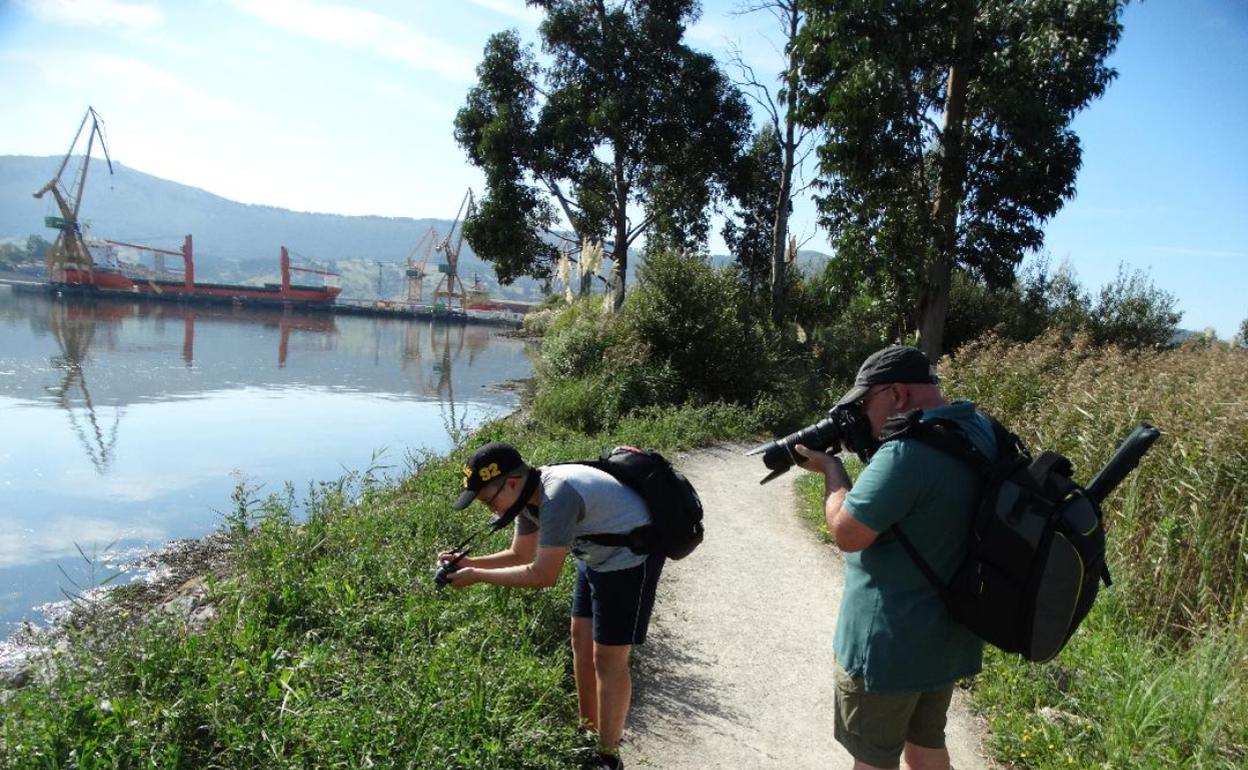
893 630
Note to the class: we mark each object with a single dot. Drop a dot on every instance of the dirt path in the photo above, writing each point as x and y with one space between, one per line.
737 672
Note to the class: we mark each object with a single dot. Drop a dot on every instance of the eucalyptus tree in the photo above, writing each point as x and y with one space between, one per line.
780 111
949 142
754 187
626 131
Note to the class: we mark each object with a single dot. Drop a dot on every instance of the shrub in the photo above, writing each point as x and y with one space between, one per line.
685 336
1130 311
689 316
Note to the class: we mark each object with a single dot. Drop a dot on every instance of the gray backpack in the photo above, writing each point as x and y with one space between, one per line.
1036 555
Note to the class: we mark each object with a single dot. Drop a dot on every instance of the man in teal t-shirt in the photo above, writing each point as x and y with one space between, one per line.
898 650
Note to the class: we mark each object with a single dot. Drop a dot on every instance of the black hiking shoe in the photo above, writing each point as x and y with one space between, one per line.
609 762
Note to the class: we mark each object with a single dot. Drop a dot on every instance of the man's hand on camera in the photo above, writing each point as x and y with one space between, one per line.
817 462
463 577
446 556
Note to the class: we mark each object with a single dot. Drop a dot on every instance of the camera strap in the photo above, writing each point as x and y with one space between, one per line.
530 486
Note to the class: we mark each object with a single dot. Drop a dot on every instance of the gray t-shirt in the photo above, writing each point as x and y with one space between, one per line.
578 500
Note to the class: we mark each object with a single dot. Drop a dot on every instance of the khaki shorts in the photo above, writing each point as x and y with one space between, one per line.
875 726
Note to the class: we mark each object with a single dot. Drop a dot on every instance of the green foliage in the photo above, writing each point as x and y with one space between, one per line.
11 254
34 250
37 248
689 316
1129 311
1241 338
330 648
496 129
1157 676
1119 699
876 74
754 188
629 116
684 337
845 319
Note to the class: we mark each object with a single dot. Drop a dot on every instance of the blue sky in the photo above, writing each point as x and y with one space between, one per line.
347 107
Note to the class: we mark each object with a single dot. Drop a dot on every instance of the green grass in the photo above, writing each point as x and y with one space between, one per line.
1117 698
331 647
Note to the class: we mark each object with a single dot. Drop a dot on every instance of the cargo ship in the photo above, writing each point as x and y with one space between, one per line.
105 274
79 266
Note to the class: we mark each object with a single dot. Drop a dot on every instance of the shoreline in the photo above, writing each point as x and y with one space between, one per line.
173 578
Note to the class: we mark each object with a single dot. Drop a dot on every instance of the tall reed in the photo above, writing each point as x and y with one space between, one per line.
1178 525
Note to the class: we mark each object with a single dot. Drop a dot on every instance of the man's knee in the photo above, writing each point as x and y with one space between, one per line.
611 657
582 633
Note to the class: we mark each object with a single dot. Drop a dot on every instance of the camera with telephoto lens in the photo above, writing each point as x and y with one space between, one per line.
845 427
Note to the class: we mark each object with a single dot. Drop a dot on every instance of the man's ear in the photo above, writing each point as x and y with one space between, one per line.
901 395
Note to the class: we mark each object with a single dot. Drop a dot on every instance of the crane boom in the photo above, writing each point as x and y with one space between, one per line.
69 261
454 286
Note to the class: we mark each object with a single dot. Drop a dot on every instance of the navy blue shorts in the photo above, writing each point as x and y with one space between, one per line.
619 602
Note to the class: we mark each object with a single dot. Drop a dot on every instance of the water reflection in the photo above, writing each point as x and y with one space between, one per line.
74 331
125 422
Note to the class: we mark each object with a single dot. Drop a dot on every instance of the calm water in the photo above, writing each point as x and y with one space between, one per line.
123 426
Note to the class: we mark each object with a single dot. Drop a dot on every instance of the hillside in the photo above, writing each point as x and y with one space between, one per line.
232 240
238 241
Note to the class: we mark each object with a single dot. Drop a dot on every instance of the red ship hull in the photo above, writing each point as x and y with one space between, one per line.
116 283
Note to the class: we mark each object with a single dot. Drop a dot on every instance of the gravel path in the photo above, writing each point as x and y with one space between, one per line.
737 670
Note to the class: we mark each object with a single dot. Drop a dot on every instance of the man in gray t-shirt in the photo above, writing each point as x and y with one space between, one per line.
556 508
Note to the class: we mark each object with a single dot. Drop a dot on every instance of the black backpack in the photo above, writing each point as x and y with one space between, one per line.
1036 553
675 527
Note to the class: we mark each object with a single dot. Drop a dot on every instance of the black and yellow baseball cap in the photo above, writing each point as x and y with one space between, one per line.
492 461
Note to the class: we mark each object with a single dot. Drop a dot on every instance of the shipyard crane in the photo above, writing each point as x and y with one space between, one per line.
69 261
416 271
450 248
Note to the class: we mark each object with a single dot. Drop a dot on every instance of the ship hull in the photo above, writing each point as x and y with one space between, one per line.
117 284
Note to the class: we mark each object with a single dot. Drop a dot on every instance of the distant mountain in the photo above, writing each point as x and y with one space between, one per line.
238 241
231 239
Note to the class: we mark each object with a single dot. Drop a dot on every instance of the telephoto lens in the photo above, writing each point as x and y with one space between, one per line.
845 427
779 455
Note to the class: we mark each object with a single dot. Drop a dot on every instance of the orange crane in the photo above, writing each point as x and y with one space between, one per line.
69 261
454 287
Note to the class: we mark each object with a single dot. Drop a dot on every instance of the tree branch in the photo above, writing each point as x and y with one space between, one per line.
640 228
564 203
750 82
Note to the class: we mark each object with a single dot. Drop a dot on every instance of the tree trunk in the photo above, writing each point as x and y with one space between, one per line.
938 274
619 254
619 263
780 228
779 237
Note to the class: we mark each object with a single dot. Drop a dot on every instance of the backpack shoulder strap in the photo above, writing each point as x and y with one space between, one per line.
947 436
941 434
605 538
923 566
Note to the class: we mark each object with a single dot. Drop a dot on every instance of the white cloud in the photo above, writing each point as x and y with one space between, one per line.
125 77
95 13
513 9
364 31
60 538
